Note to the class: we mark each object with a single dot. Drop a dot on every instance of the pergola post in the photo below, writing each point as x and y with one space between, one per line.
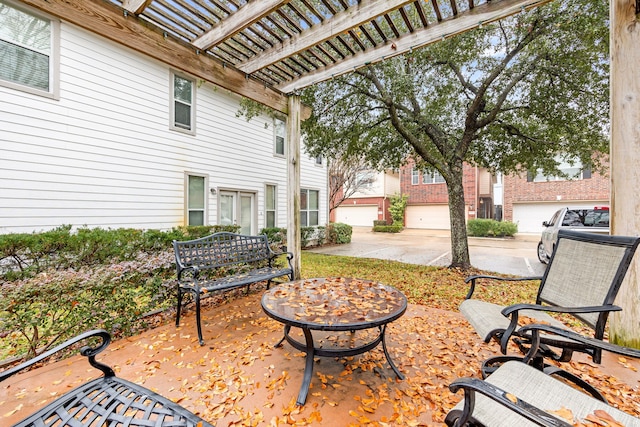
293 179
625 158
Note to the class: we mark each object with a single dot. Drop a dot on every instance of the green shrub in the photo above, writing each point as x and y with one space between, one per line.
314 235
491 228
395 228
277 236
397 207
339 233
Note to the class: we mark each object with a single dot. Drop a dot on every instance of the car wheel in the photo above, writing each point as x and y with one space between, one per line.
542 255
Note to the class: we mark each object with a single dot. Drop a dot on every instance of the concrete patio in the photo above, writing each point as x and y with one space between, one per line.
239 378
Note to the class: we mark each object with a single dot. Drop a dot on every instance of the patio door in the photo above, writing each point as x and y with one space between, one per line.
238 208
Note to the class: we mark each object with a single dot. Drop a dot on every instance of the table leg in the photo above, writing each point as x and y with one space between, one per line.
287 328
308 368
383 329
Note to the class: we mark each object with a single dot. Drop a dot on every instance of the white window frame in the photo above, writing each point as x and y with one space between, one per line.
278 125
53 55
432 177
307 210
267 209
415 176
187 208
191 130
565 166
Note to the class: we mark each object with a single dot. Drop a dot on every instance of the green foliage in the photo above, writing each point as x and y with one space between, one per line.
491 228
395 228
277 236
398 204
379 222
339 233
511 96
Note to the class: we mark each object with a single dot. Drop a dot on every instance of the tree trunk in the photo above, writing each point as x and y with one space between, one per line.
459 241
625 157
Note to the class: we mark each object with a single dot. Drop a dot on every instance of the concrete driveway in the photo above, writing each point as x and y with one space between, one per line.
516 256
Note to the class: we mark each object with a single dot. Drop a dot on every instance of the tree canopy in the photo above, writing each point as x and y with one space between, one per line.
511 96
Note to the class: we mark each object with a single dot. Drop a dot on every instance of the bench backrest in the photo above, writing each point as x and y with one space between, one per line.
220 250
587 269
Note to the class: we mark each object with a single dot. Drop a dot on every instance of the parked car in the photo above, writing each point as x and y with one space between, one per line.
594 220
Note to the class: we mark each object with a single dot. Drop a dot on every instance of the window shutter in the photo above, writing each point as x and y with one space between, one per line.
586 173
529 176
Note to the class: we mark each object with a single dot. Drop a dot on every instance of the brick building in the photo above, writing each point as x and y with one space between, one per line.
531 198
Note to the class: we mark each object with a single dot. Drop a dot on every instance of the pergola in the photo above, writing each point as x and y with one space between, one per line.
266 50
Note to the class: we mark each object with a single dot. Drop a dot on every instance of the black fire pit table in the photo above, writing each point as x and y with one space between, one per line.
333 304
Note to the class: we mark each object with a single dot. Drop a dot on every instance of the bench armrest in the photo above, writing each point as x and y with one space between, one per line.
86 350
536 329
273 255
473 279
471 386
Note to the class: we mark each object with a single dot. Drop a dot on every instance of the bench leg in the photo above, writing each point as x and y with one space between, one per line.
179 307
198 323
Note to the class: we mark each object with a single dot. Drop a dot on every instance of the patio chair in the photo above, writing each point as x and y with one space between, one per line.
582 280
517 394
104 401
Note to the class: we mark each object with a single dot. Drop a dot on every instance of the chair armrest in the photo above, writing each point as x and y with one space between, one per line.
471 386
535 330
473 279
87 351
507 311
512 312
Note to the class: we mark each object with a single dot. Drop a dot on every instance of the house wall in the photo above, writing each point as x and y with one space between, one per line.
103 155
426 201
518 193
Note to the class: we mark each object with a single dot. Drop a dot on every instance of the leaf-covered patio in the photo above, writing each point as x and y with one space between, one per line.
239 378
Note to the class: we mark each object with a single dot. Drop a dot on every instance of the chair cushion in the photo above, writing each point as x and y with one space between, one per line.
486 318
541 391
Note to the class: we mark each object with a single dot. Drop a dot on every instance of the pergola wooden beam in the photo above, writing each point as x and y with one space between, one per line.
109 21
482 14
246 16
135 6
363 12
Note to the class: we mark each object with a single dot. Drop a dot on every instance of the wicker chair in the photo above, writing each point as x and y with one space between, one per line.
107 400
516 394
582 279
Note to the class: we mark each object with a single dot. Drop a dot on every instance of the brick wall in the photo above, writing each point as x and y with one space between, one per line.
518 190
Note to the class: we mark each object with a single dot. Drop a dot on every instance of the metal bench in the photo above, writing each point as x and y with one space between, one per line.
225 261
107 400
582 280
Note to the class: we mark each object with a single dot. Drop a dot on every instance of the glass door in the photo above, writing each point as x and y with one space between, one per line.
237 208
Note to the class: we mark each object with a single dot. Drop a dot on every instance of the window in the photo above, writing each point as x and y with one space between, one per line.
28 51
309 207
415 176
432 177
196 199
365 179
183 113
319 160
270 206
280 135
572 168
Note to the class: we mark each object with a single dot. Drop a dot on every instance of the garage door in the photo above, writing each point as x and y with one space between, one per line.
357 215
529 216
435 217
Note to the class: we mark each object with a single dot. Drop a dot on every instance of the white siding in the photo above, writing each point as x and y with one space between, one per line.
103 154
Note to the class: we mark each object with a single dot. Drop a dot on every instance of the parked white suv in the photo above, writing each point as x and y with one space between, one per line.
594 220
